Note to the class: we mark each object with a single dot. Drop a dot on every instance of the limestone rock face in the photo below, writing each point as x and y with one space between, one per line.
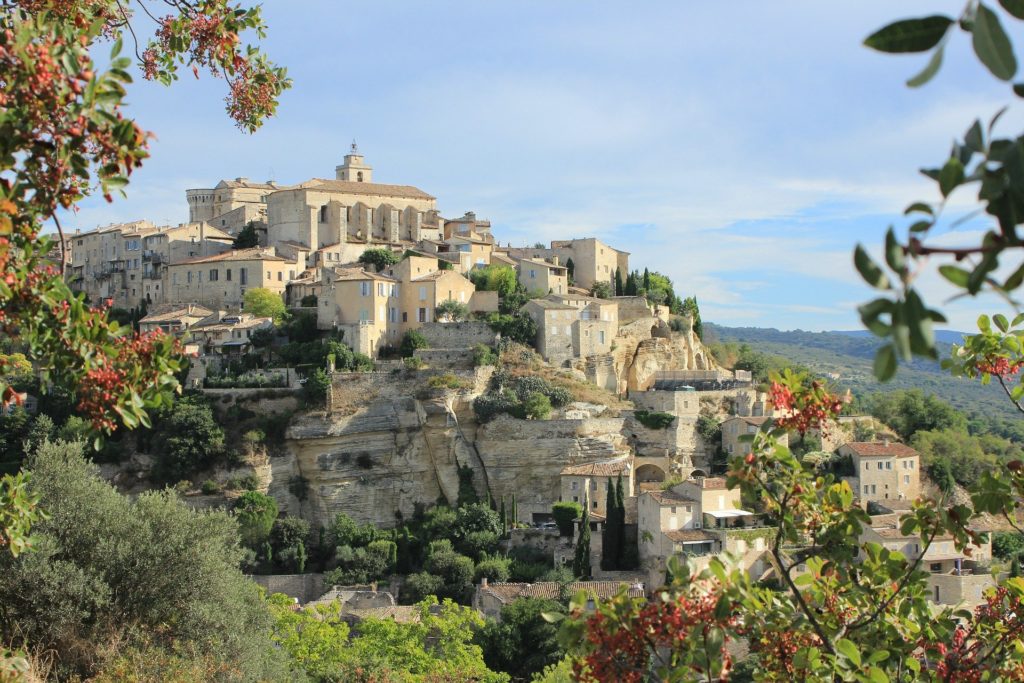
647 346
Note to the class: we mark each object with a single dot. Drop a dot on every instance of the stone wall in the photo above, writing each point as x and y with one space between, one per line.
458 335
446 357
304 587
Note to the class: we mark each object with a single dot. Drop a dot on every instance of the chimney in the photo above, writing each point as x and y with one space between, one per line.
483 582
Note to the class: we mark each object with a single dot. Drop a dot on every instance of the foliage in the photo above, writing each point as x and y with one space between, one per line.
565 513
537 406
379 258
488 406
494 278
602 290
517 326
454 569
709 430
302 327
484 355
908 412
109 571
318 384
187 439
247 237
522 643
690 309
654 420
263 303
494 568
848 617
451 311
581 558
614 553
373 562
308 301
421 585
255 513
412 340
19 510
447 381
1007 545
287 536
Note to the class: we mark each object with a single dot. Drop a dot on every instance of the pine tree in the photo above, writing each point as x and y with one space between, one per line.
610 551
620 524
619 289
581 561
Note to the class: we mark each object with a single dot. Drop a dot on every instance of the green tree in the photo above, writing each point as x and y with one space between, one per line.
518 327
186 439
610 538
565 514
691 310
420 586
137 572
379 258
494 568
602 290
454 569
451 311
523 642
909 411
495 278
537 406
255 513
318 383
619 288
263 303
412 340
247 237
581 559
570 268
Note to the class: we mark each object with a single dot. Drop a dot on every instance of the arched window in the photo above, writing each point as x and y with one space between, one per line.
359 177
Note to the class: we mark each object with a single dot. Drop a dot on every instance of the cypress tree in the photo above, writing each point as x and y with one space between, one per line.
300 557
619 289
504 519
581 561
647 280
609 536
515 512
632 289
620 524
571 267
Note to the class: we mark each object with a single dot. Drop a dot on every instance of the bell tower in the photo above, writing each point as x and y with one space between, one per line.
354 169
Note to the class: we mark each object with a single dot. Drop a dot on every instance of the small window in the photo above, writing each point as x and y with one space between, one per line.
906 478
227 275
888 464
574 485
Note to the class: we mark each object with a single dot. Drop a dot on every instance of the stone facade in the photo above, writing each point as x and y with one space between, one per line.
884 470
222 280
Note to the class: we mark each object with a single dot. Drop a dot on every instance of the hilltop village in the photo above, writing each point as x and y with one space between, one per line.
407 360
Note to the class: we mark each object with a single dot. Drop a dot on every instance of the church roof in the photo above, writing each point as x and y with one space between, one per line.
254 254
350 187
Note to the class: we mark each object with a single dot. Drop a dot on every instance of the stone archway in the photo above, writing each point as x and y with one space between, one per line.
649 473
698 473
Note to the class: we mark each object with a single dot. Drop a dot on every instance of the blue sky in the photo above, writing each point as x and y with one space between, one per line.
742 148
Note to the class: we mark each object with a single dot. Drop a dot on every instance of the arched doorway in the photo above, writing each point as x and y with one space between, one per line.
649 473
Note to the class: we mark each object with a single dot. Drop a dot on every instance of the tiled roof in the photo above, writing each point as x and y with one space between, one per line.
176 313
254 254
436 275
403 614
756 421
349 274
243 182
881 449
668 497
598 469
507 592
684 535
381 189
711 482
547 303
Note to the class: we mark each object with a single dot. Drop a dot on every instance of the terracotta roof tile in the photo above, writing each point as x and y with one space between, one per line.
668 497
881 449
254 254
350 187
598 469
683 535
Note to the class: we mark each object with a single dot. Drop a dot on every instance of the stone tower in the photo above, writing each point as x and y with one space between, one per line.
354 169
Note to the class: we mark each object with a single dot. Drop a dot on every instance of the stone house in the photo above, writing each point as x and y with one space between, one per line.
423 286
955 577
554 329
593 260
228 334
468 225
539 275
231 204
884 470
697 518
173 319
308 283
736 426
572 326
222 280
589 483
364 305
489 598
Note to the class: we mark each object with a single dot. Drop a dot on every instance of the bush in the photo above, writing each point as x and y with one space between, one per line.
419 586
479 544
446 381
255 513
451 311
309 301
484 355
248 482
413 363
565 514
379 258
537 407
187 438
412 340
560 397
518 326
495 569
488 406
654 420
314 391
210 487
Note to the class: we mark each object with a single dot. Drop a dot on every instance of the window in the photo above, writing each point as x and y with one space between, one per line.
214 275
554 330
574 485
906 478
269 276
593 484
227 275
600 336
594 505
935 567
323 213
533 274
364 288
423 293
364 315
189 277
575 499
879 464
888 464
866 491
422 315
405 316
867 465
243 276
673 510
280 275
911 464
380 289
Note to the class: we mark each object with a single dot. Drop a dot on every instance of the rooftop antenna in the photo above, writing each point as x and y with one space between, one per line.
355 149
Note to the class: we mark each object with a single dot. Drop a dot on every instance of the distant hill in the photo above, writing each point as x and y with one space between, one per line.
849 355
945 336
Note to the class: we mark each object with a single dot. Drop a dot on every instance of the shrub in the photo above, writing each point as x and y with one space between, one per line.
187 438
309 301
479 544
379 258
248 482
484 355
412 340
210 487
488 406
565 514
314 391
412 363
560 397
495 569
419 586
256 513
451 311
537 407
446 381
654 420
519 327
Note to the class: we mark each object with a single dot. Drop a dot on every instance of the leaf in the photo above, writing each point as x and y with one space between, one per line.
991 44
1001 322
869 270
921 226
1014 7
876 675
846 648
885 363
552 617
928 72
894 252
919 207
1018 89
983 323
909 35
975 139
958 276
952 174
1015 280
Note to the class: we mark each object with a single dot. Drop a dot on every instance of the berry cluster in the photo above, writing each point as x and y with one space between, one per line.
803 407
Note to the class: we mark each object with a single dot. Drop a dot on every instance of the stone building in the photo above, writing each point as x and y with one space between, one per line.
589 483
231 204
539 275
955 577
229 334
593 261
735 427
884 470
222 280
174 319
125 265
489 598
